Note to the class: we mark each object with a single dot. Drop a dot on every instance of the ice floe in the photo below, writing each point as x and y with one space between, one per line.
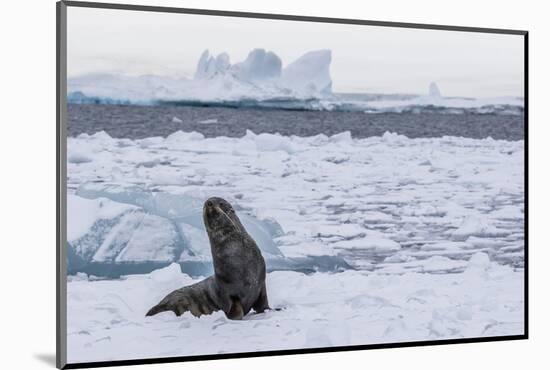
359 199
376 240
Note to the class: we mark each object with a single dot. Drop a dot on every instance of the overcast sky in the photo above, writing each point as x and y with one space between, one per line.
364 58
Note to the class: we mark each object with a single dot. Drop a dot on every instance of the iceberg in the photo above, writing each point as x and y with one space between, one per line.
433 90
309 75
208 66
259 77
262 81
258 66
434 101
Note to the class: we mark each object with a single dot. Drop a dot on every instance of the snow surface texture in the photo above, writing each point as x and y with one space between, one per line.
262 81
432 227
390 196
106 318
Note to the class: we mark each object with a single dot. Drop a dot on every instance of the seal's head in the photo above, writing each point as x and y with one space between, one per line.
219 217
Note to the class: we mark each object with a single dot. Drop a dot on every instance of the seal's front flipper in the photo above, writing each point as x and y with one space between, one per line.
236 311
261 303
197 299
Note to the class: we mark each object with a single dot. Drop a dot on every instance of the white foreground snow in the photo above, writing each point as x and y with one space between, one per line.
106 319
434 227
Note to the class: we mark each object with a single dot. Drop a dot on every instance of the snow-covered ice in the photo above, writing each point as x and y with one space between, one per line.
431 228
106 319
378 195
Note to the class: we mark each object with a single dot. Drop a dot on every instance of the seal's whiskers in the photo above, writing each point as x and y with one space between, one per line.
229 218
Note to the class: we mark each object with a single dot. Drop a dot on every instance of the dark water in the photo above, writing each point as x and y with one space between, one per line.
138 122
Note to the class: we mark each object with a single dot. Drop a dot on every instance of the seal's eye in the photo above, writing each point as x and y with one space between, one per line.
209 203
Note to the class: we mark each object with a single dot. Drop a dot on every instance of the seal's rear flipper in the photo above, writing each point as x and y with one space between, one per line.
197 299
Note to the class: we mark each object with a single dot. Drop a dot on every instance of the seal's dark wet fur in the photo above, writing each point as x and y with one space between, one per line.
238 283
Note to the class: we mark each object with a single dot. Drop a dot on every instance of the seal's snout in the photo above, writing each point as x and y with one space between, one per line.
209 207
218 213
212 202
212 212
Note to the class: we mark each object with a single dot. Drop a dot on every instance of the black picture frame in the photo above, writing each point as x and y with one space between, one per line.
61 171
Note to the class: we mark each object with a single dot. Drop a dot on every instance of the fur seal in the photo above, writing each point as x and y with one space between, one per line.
238 283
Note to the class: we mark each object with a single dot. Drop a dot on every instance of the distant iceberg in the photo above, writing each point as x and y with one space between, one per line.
435 102
309 75
434 90
209 67
259 77
260 65
261 81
